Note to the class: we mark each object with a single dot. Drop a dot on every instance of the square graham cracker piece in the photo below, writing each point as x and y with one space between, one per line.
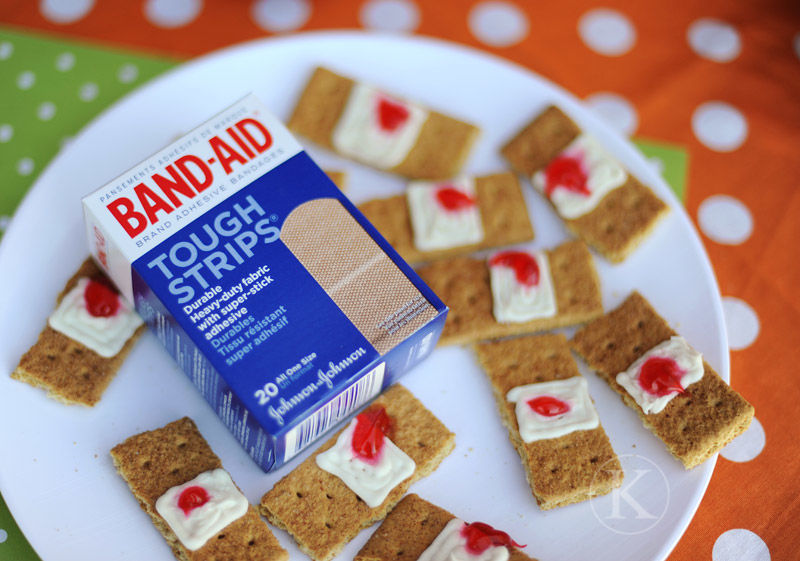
67 370
443 145
621 220
694 425
409 530
155 461
560 471
464 285
322 513
339 178
504 216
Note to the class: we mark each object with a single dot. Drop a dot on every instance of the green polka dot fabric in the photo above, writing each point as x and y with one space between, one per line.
671 161
13 544
49 90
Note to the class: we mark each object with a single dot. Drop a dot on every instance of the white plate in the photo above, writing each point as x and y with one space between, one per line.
55 472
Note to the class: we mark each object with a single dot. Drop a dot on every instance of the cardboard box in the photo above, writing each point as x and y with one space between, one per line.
273 293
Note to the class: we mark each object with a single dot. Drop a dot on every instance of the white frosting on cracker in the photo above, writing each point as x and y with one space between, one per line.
371 481
450 545
436 227
514 302
534 426
104 335
604 174
194 528
676 348
358 133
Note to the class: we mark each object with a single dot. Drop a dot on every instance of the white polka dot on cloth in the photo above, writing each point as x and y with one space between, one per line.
725 220
615 110
26 80
498 24
6 132
3 533
390 15
714 40
748 445
25 166
280 15
6 50
740 545
127 73
719 126
88 91
46 111
741 322
65 11
607 32
65 62
170 14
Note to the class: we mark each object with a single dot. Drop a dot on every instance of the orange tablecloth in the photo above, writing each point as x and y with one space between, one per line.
721 79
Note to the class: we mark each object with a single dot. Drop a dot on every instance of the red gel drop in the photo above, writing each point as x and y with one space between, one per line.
191 498
391 115
100 298
452 199
371 427
548 406
525 267
661 376
567 173
481 537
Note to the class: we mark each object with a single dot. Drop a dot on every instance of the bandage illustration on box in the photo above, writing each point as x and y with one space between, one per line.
352 269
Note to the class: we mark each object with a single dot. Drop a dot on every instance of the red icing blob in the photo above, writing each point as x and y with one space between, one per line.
391 114
566 172
100 298
525 267
661 376
481 537
371 426
548 406
452 199
191 498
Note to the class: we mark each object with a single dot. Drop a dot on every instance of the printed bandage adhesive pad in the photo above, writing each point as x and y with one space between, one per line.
276 297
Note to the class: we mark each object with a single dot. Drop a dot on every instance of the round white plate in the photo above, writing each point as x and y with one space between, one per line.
55 472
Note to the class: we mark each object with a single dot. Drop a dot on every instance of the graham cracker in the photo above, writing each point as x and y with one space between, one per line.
339 178
560 471
504 216
463 284
621 220
67 370
443 145
540 141
695 424
409 530
322 513
155 461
